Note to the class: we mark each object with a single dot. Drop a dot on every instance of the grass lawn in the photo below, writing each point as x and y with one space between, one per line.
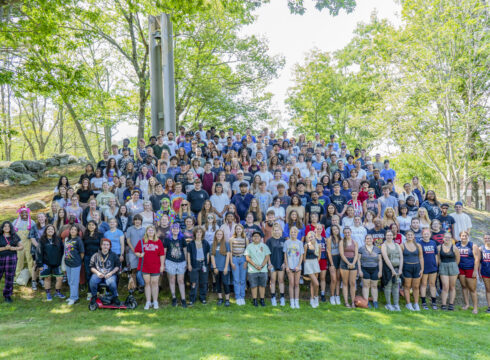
31 328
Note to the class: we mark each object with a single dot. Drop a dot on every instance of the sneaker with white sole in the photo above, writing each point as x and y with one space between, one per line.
317 302
273 301
389 307
337 300
332 300
89 296
410 307
71 302
416 307
297 303
282 301
397 307
292 303
147 305
312 303
155 305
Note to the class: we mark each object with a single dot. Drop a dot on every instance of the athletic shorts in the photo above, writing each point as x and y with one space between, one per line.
336 261
411 271
48 271
370 273
257 279
466 272
343 264
151 274
485 277
323 264
175 268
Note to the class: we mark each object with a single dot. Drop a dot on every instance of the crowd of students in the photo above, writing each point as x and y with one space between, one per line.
247 211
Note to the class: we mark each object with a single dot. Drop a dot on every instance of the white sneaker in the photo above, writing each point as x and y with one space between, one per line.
282 301
396 307
301 281
312 303
337 300
416 307
155 305
317 303
71 302
389 307
297 303
147 305
242 301
332 300
410 307
89 296
292 303
273 301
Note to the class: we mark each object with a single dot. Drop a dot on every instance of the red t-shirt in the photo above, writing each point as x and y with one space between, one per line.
151 258
363 195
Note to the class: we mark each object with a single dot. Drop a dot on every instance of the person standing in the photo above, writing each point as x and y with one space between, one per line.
197 197
25 228
175 263
370 265
413 268
392 270
257 254
293 257
238 243
10 244
312 266
276 263
220 263
448 255
74 252
485 267
462 222
468 269
198 258
429 250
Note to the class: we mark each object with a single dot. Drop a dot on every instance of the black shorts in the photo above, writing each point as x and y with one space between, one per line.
343 264
370 273
411 271
336 261
151 274
48 271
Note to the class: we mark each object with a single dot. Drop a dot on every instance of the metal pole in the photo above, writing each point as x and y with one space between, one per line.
156 92
168 73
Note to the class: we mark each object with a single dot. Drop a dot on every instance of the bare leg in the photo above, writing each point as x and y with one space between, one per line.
374 290
154 287
147 279
171 284
471 282
366 284
466 292
352 285
407 284
416 292
333 281
180 280
445 289
345 287
452 288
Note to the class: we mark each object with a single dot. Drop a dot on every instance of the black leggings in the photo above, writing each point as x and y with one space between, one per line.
225 279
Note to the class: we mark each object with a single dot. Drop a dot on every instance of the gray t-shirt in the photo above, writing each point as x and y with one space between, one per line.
294 251
390 201
369 259
134 235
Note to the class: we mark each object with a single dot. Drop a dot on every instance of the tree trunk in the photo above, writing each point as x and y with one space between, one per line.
142 110
80 130
108 137
61 125
475 196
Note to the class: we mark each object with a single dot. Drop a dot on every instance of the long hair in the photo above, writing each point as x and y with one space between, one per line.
336 238
44 237
296 223
86 234
222 244
146 237
12 231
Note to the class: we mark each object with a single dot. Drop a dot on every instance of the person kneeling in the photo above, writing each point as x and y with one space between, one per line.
104 266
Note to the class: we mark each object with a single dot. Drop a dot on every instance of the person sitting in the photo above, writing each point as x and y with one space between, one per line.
104 265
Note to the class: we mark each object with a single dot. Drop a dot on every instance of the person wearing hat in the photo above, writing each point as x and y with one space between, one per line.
257 255
126 146
25 228
447 221
462 222
377 183
125 160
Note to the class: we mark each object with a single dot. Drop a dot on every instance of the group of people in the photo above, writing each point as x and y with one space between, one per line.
247 211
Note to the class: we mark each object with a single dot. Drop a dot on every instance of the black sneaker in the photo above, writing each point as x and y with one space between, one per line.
434 306
174 301
424 306
183 303
220 302
93 300
8 299
204 302
443 307
141 289
116 301
255 302
488 310
191 302
450 307
227 303
323 298
262 302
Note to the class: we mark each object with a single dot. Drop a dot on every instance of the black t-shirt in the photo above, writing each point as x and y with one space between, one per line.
378 236
248 177
84 195
312 208
276 247
13 241
156 201
339 202
197 198
174 249
92 243
447 222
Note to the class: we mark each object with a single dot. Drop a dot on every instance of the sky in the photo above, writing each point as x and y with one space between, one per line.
295 35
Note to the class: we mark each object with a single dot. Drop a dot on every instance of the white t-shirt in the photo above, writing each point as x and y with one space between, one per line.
359 235
219 201
462 223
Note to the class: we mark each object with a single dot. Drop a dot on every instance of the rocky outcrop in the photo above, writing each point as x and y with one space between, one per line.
36 205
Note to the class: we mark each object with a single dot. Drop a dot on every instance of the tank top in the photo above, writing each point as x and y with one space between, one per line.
411 257
335 248
447 257
485 261
467 258
310 254
239 245
393 254
350 250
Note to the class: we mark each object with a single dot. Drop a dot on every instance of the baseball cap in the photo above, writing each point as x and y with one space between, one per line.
458 203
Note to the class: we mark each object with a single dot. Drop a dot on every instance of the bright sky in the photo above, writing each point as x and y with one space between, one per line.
294 35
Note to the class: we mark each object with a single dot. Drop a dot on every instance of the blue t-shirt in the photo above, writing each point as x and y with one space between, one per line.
219 259
387 174
429 250
114 238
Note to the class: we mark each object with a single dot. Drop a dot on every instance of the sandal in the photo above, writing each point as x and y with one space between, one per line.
443 307
450 307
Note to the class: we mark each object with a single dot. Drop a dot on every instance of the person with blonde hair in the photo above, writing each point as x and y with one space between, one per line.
312 266
349 254
389 217
151 263
293 257
423 217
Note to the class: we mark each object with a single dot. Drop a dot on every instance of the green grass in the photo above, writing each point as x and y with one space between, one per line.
31 328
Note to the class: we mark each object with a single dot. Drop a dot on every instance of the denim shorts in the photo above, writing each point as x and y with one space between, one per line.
175 268
257 279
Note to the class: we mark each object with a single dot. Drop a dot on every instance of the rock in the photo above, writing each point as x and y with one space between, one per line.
61 156
27 179
72 159
36 205
52 162
82 160
54 176
10 177
63 161
8 182
34 166
5 164
8 174
18 166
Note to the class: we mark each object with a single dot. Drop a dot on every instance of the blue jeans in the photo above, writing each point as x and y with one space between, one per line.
239 276
139 278
73 276
111 284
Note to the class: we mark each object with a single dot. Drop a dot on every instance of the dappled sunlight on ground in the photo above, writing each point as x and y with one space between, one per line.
84 339
63 309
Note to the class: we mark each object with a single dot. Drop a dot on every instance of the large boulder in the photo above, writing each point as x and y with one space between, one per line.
72 159
52 162
5 164
10 177
27 179
36 205
63 161
18 166
34 166
60 156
